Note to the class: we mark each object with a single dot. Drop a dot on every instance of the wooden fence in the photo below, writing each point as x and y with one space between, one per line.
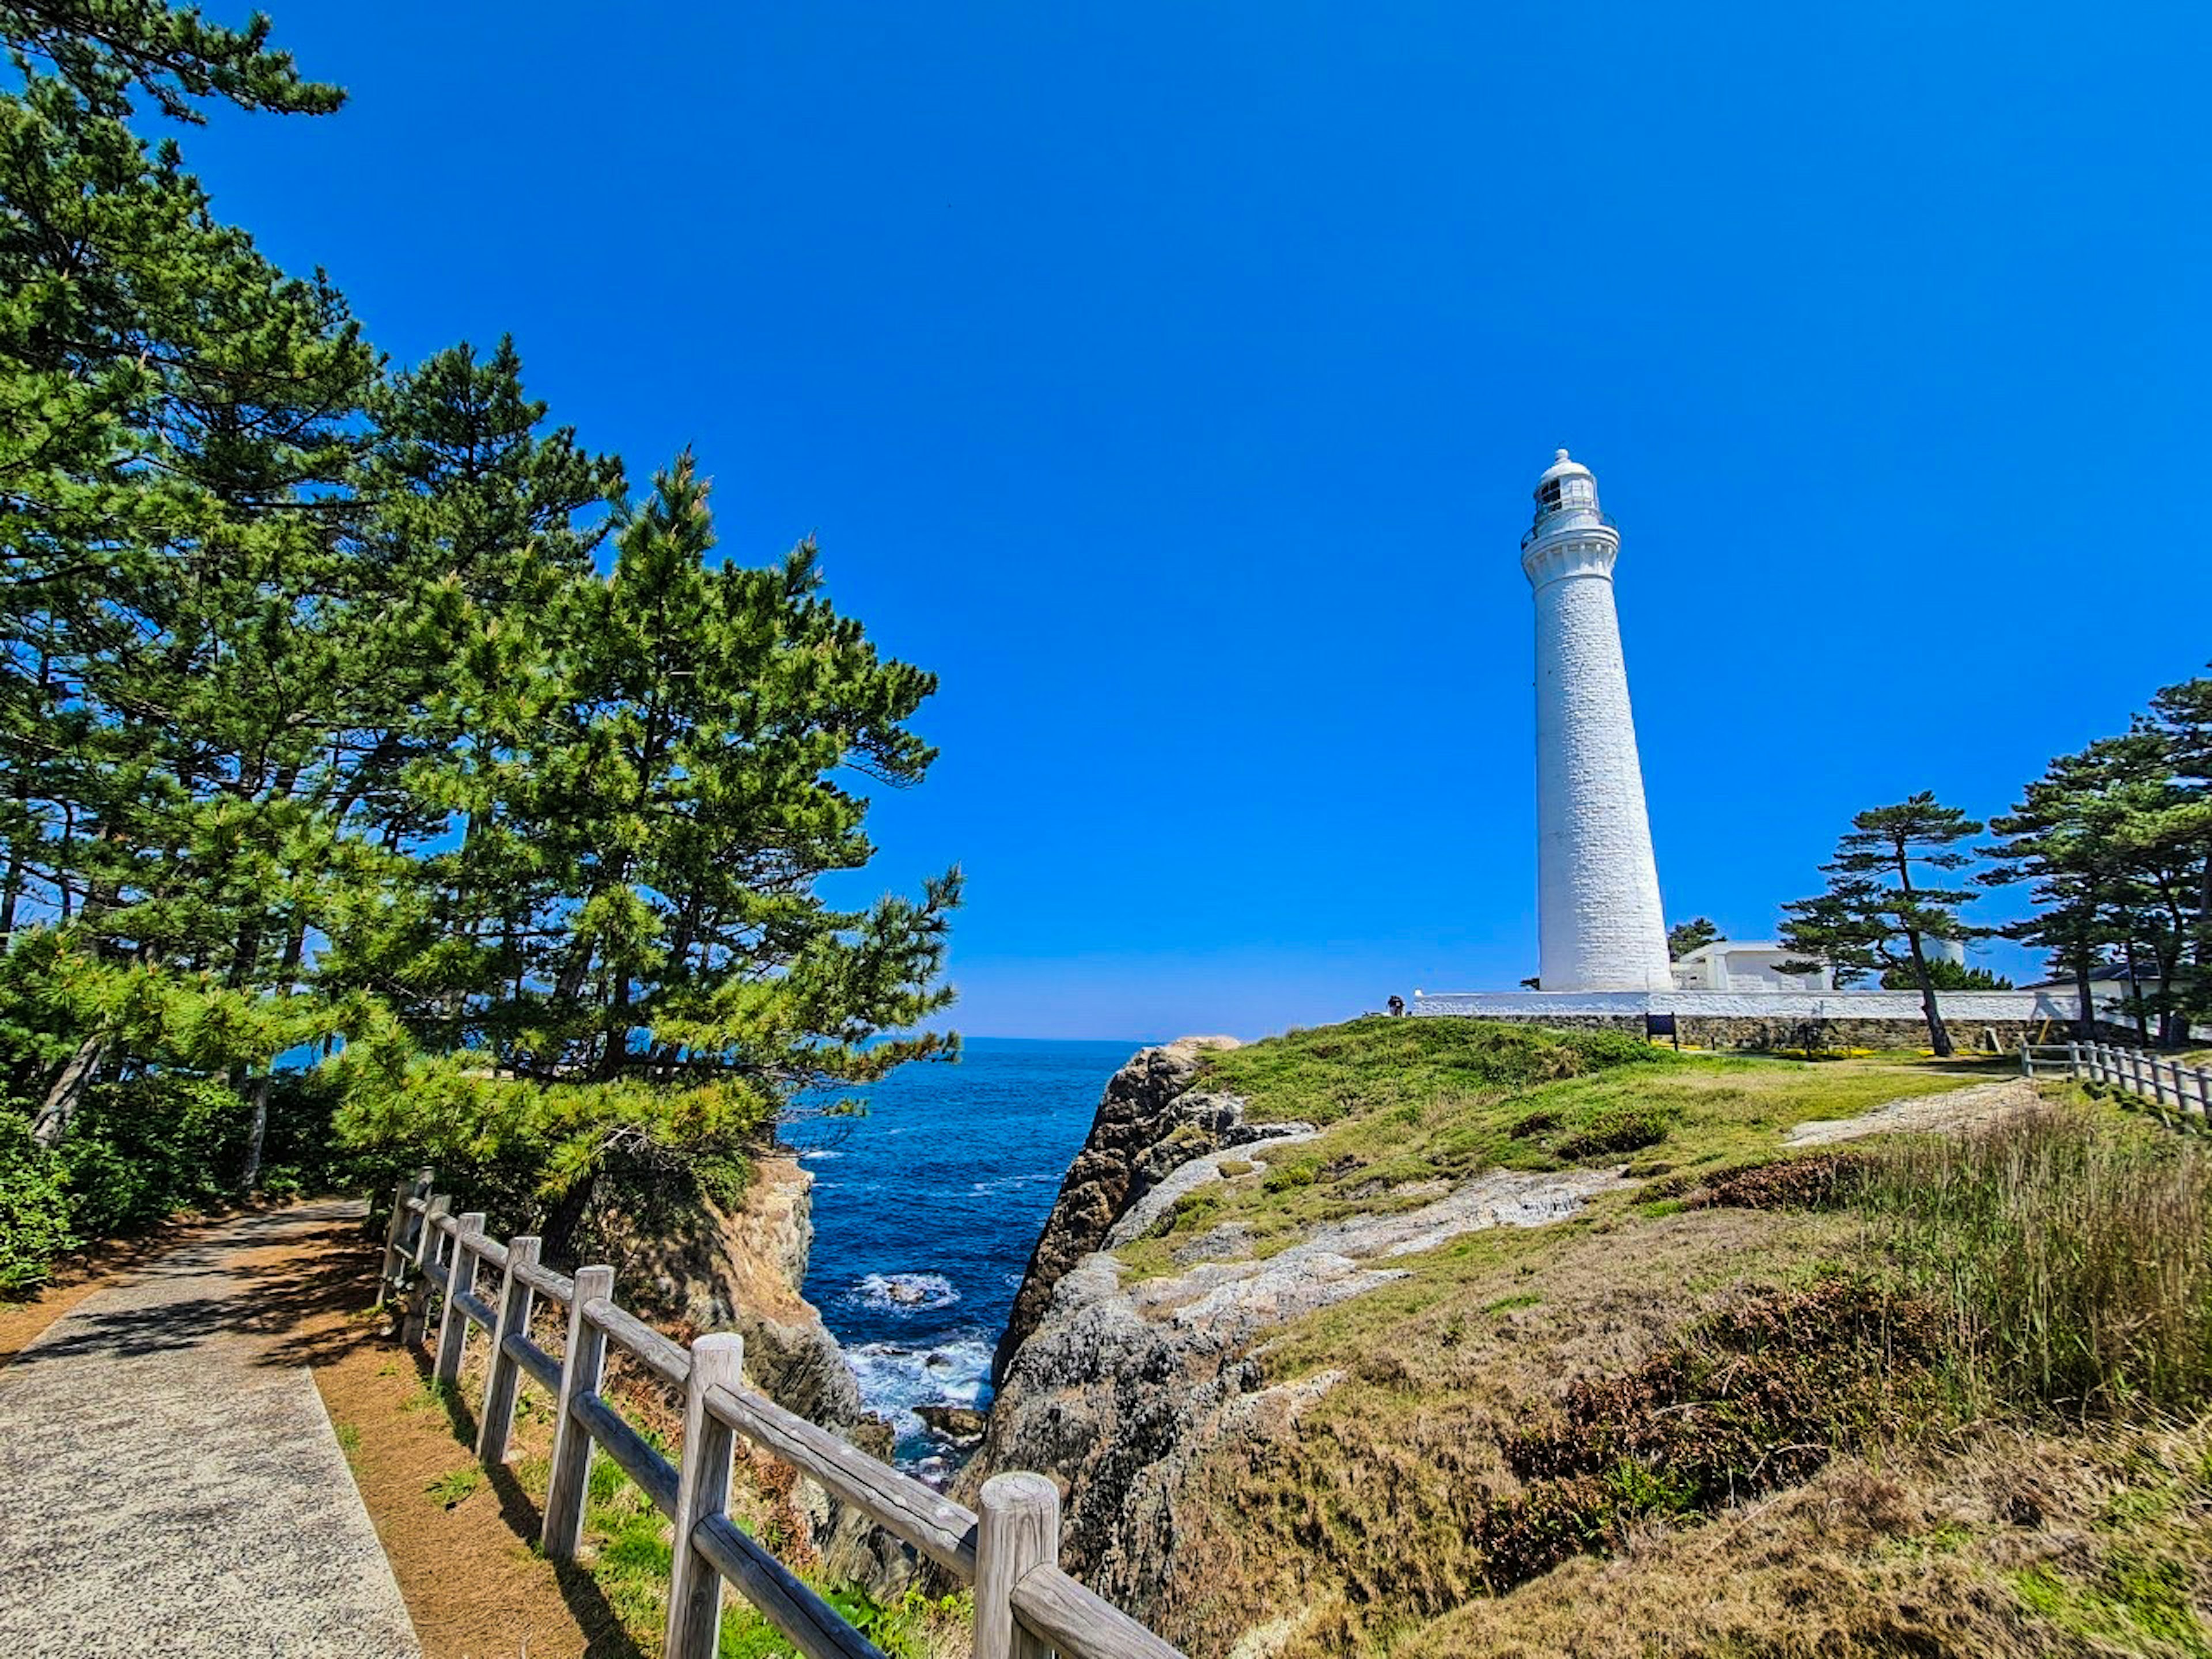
2181 1094
1025 1606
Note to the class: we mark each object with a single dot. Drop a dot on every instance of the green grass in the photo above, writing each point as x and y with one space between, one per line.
631 1555
455 1487
2141 1590
1377 1065
2072 1250
1405 1102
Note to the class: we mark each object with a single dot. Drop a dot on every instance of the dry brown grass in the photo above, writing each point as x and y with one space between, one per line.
1378 1491
1907 1532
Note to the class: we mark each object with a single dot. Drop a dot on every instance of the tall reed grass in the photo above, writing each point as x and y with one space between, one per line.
2073 1255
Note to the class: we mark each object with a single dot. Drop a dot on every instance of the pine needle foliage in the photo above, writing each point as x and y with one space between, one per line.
1880 908
356 717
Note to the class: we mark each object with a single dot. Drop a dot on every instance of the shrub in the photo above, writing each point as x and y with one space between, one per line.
2071 1256
1758 1394
1189 1210
140 1151
1625 1129
1823 1181
34 1212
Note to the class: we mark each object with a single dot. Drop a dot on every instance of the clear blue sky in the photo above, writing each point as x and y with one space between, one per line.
1172 378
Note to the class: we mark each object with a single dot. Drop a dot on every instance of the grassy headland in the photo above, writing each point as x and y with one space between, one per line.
1936 1392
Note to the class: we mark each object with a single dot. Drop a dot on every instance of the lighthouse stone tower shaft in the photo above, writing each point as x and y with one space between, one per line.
1597 884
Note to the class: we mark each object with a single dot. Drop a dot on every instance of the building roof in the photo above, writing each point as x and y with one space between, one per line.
1721 947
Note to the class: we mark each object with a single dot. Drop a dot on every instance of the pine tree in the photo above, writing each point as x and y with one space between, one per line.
2059 838
104 49
178 412
2182 716
318 725
1684 937
1873 905
626 954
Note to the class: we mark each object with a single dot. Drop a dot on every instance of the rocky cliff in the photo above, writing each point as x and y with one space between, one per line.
1149 1123
1122 1384
1447 1339
741 1270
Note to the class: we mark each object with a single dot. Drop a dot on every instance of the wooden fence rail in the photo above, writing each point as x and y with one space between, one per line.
1025 1606
2181 1095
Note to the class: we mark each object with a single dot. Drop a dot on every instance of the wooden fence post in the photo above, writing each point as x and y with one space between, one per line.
1017 1528
702 1488
426 1267
391 1275
395 1236
2074 1062
460 1281
581 1368
514 1304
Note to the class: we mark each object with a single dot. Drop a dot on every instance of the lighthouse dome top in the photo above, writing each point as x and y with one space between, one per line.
1566 493
1562 466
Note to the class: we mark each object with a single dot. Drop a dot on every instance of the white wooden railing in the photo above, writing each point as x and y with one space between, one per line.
1025 1606
2181 1094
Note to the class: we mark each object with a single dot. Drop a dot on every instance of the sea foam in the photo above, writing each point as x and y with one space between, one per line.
905 1292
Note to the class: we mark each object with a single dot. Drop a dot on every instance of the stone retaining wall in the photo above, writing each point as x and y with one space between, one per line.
1781 1019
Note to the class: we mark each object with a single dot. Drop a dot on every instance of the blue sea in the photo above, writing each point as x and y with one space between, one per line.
926 1208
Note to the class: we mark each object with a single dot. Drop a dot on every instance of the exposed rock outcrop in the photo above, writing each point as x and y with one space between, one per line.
1149 1123
1120 1386
741 1271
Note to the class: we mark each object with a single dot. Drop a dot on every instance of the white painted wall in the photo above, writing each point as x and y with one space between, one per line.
1745 966
1600 924
1960 1006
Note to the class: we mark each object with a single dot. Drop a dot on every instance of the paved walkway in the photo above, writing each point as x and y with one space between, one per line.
171 1483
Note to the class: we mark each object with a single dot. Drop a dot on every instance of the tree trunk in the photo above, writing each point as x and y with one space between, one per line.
566 1219
62 1100
2173 1030
12 891
1938 1038
2199 999
2085 1023
2135 996
257 1131
256 1117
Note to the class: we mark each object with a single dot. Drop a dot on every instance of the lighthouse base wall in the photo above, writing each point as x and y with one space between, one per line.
1774 1020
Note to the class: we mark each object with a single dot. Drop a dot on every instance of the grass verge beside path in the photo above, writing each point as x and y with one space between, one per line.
458 1535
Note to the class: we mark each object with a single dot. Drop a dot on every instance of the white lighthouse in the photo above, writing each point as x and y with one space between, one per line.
1597 884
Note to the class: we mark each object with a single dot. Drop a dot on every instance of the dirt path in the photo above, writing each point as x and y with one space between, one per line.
173 1484
1957 1109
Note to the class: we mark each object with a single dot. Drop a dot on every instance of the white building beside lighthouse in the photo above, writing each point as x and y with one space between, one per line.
1599 924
